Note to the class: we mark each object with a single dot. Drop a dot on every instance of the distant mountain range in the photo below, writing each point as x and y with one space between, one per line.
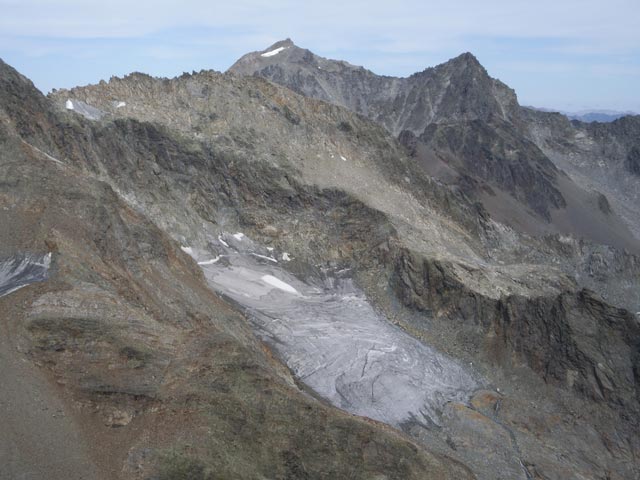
588 116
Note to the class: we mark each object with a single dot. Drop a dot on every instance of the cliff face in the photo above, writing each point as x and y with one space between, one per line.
189 217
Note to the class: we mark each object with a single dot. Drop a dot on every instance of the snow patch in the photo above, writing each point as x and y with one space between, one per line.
343 159
279 284
21 270
238 236
273 52
88 111
270 249
46 261
286 257
566 239
121 104
15 289
222 241
49 157
210 262
264 257
187 250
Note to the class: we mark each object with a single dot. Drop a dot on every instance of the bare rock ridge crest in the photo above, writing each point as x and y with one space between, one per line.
213 238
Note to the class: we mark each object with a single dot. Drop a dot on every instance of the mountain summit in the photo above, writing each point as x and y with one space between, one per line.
459 89
464 128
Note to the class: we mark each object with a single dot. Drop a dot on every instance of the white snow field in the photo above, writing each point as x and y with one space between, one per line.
21 270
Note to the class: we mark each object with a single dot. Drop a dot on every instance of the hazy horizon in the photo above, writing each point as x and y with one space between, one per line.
572 57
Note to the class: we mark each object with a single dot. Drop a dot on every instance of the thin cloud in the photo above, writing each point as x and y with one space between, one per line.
394 38
415 25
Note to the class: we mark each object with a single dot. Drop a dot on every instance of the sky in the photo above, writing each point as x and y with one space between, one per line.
569 55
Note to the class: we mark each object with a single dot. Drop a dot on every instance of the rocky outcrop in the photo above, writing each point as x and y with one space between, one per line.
573 339
633 160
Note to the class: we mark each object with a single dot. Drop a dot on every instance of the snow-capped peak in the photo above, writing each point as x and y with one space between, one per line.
271 53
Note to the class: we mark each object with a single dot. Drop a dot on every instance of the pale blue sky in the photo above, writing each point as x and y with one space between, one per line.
563 54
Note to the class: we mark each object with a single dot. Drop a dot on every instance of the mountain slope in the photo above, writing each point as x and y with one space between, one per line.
152 372
336 192
323 202
600 156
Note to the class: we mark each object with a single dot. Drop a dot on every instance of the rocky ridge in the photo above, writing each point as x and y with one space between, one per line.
463 127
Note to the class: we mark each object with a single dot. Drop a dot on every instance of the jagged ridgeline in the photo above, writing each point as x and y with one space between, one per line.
467 129
322 273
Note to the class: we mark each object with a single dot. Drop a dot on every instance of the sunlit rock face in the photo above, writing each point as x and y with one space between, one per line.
21 270
334 341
